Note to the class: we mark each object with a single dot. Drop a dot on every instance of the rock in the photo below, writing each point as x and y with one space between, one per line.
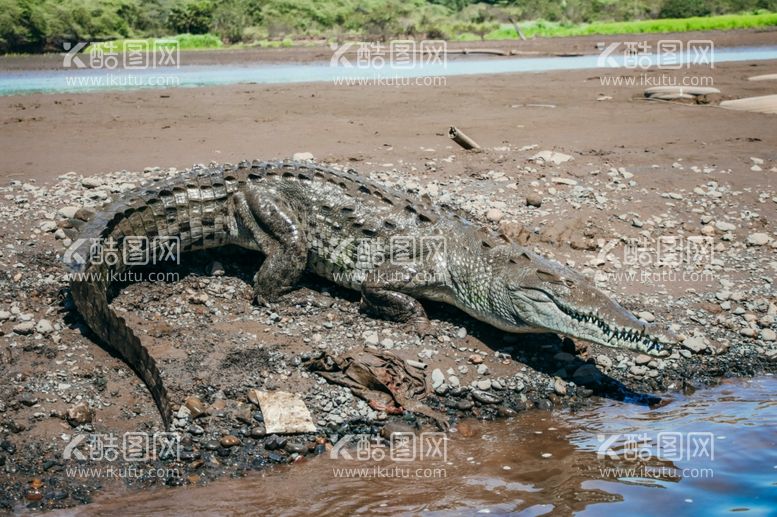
229 441
454 381
464 405
494 215
564 181
588 374
768 335
28 399
302 157
695 344
48 226
758 239
372 338
560 387
476 359
603 361
24 328
724 226
5 315
438 378
551 157
534 199
482 369
68 212
80 414
642 359
395 427
638 371
485 398
195 406
258 432
216 269
646 316
44 327
91 182
484 384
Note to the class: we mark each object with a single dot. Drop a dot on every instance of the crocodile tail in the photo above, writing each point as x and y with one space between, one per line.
90 284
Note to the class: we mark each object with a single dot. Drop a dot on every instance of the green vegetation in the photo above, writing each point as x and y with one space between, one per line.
44 25
722 22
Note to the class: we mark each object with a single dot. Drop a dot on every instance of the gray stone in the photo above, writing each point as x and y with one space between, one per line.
438 378
695 344
757 239
44 327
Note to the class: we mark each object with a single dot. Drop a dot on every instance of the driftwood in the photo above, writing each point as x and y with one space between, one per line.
517 29
462 139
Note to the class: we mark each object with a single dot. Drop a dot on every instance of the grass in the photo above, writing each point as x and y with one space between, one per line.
538 28
185 42
709 23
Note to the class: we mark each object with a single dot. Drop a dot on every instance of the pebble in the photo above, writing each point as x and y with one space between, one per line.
44 327
646 316
302 157
642 359
438 378
534 199
768 335
484 384
560 387
476 359
724 226
604 361
485 398
91 182
695 344
494 215
195 406
24 328
638 371
757 239
80 414
229 441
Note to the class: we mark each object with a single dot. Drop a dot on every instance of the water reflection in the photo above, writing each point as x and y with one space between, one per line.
537 463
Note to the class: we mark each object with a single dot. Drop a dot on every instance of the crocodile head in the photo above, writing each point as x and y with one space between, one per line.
548 296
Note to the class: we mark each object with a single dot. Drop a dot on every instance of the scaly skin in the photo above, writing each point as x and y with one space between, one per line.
343 227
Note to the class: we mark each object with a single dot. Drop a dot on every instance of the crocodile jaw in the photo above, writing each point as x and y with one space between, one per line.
609 324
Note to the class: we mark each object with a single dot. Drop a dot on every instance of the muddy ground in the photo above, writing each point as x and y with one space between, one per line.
641 177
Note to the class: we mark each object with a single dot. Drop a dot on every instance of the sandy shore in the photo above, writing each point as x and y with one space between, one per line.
637 170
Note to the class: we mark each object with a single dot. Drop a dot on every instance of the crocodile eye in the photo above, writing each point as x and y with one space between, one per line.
546 276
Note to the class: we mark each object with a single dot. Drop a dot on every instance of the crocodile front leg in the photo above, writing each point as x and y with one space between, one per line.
286 251
382 297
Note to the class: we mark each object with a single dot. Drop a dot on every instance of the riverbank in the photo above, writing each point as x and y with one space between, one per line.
607 169
540 46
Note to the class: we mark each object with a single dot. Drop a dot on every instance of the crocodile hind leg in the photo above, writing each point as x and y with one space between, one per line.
382 297
286 252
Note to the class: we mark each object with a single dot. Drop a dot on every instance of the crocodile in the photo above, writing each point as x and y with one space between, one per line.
391 246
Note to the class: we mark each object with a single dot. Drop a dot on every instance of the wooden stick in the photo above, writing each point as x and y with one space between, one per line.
462 139
517 29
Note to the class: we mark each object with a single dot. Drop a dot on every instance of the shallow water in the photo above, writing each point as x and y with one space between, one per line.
87 79
538 463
